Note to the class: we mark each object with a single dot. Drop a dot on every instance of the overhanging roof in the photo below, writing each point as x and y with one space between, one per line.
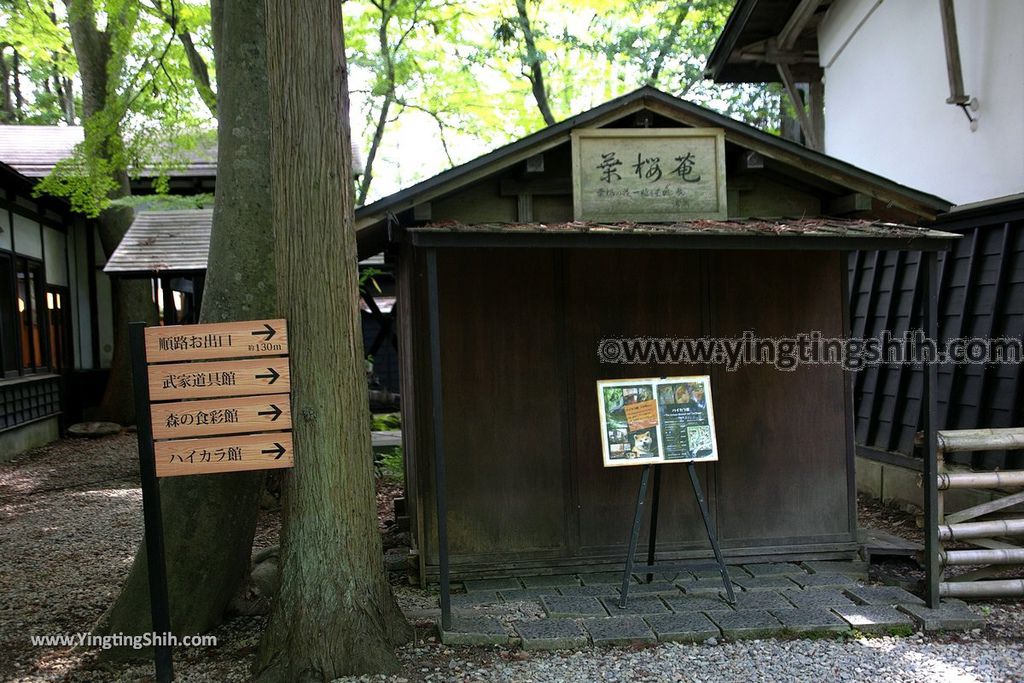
753 233
740 53
163 243
170 243
34 150
373 217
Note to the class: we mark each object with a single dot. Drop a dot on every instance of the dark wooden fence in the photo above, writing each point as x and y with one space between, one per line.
981 294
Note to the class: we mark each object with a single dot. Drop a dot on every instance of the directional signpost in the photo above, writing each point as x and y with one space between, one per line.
208 399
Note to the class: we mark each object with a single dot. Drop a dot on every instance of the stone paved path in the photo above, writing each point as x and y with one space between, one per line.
772 600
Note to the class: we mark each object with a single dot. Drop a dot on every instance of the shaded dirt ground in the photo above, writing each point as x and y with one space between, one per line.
70 520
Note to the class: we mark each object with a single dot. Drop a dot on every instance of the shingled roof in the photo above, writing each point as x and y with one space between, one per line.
33 151
164 242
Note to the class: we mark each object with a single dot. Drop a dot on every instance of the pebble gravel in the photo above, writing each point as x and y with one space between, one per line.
70 520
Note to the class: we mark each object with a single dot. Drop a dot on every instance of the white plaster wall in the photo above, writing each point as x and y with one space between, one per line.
886 88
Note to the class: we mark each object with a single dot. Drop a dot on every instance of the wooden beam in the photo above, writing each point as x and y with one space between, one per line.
797 22
512 187
850 203
422 212
798 103
952 44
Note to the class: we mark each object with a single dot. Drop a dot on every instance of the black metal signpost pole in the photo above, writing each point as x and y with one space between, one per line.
151 510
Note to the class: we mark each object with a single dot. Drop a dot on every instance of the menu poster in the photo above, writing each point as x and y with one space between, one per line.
656 420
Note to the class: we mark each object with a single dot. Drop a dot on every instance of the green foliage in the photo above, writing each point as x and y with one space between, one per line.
386 421
462 68
455 69
153 118
391 465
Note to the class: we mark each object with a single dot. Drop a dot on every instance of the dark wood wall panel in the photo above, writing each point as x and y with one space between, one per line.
502 401
628 293
782 434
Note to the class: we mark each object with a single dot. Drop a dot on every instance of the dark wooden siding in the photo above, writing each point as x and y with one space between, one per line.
981 294
519 336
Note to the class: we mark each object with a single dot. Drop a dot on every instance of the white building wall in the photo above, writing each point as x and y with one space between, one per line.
886 87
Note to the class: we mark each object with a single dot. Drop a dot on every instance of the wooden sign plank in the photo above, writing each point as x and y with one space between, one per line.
244 339
270 450
221 416
175 381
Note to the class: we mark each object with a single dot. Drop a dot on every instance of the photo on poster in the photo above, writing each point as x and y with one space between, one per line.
657 420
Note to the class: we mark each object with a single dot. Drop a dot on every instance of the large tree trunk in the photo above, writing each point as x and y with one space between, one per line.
334 613
132 300
210 520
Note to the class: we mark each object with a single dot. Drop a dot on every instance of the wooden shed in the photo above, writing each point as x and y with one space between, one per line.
506 287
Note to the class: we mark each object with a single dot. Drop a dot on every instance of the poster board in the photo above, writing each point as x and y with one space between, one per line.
648 174
657 420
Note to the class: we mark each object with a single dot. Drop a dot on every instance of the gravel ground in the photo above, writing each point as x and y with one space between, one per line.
70 519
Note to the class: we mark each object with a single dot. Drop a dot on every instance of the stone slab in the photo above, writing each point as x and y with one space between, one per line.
823 580
857 569
551 634
629 630
475 599
491 585
761 600
948 616
876 619
554 580
640 604
751 623
735 571
819 597
882 595
704 586
525 594
759 583
572 606
682 628
698 603
475 631
601 578
655 587
810 620
593 591
772 568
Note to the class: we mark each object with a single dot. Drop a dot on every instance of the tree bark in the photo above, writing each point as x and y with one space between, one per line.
210 520
334 614
536 74
132 300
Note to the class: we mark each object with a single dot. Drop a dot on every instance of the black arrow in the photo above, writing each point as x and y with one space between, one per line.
276 412
279 450
268 332
274 374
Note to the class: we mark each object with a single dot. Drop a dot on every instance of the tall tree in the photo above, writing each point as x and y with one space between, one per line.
210 521
334 613
103 57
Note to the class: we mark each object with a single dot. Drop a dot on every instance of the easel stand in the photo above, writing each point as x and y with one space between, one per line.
634 538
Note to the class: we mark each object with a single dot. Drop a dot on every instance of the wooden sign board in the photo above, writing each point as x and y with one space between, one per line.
648 174
175 381
269 450
218 396
246 339
182 419
654 421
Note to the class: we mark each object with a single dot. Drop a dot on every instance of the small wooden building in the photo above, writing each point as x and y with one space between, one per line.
511 288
